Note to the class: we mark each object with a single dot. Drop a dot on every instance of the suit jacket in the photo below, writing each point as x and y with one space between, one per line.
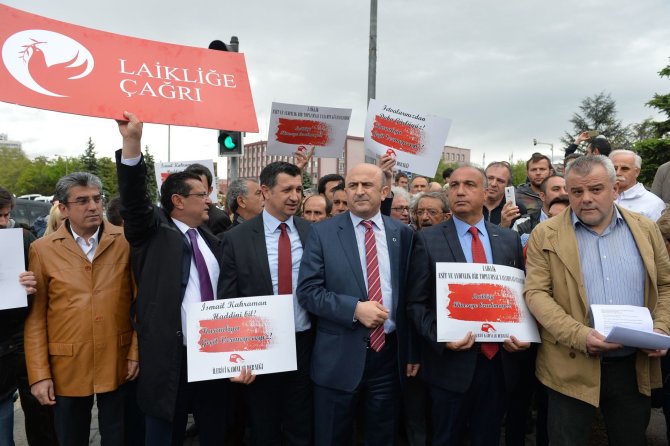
78 332
219 221
556 296
442 367
161 262
330 285
246 271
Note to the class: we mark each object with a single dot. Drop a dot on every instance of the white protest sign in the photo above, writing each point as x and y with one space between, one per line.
301 127
414 139
162 171
484 299
254 332
12 263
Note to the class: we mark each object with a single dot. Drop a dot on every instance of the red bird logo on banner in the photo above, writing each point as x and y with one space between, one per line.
487 328
237 359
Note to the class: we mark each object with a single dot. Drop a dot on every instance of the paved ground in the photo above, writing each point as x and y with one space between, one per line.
655 432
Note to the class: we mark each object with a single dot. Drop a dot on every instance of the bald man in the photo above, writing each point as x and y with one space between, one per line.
351 278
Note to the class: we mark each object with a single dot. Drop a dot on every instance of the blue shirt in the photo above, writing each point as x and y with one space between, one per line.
465 238
383 261
272 232
612 268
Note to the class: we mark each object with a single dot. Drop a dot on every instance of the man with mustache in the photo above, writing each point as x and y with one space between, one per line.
597 253
631 194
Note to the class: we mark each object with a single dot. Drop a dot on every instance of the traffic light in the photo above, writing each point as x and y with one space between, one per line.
230 143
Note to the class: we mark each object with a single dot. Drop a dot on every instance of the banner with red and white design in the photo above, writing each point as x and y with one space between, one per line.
484 299
253 332
416 140
301 127
68 68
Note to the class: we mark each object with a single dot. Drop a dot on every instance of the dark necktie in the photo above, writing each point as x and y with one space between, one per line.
489 349
377 339
285 267
206 291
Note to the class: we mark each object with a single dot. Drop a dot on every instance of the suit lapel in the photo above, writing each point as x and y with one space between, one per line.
498 247
350 249
393 244
68 242
449 230
303 228
261 251
563 241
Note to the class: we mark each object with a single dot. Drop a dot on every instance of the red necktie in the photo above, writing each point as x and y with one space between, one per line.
489 349
377 339
285 267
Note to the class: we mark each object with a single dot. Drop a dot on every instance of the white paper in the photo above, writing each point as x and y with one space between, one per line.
162 171
484 299
12 263
640 339
301 127
416 140
606 317
225 335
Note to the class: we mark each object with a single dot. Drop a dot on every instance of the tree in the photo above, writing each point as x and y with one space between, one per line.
88 159
152 187
440 168
655 149
519 172
107 174
13 162
599 113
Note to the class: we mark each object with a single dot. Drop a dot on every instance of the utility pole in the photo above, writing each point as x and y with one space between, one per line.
372 63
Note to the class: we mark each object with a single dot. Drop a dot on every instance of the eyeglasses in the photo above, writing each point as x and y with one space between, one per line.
201 195
431 212
401 209
83 201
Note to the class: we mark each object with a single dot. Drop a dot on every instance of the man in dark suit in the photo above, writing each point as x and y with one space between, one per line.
262 257
175 262
218 221
352 278
467 388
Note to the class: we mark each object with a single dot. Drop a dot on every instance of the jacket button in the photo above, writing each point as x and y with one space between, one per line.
572 355
178 333
87 268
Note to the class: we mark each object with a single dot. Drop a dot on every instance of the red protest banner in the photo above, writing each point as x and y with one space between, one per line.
63 67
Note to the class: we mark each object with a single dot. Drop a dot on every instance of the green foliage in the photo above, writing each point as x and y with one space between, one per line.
107 174
440 168
655 148
88 160
654 152
519 173
599 113
306 180
13 162
152 187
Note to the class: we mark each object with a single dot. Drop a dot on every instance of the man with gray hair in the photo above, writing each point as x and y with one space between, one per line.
79 341
632 195
244 200
598 253
430 209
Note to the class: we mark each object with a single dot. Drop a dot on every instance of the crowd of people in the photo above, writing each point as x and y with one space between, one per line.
108 287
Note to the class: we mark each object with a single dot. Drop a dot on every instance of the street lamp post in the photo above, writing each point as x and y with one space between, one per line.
536 142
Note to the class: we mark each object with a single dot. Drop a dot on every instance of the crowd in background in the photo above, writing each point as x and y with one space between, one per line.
109 281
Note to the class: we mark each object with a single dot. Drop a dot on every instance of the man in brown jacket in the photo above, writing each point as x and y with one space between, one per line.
595 253
78 335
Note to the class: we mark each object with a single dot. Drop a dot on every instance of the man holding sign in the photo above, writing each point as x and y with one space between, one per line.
468 381
596 253
175 261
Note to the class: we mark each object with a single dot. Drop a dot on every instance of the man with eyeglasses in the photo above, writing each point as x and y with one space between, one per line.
431 208
79 341
176 261
400 205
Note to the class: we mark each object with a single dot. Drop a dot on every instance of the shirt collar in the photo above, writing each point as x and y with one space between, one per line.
183 227
94 237
376 219
462 227
272 223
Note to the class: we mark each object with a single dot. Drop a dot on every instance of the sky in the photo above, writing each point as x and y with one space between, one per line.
503 72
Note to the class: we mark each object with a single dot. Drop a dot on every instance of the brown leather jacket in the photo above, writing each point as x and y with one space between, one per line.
78 331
